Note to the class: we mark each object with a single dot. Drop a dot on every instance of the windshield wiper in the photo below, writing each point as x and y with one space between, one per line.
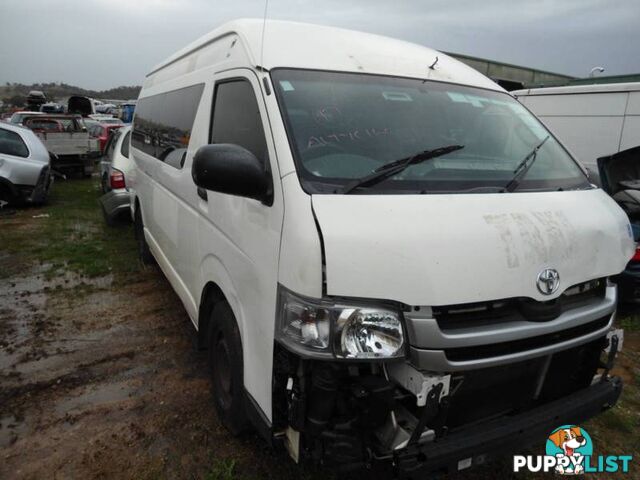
393 168
523 167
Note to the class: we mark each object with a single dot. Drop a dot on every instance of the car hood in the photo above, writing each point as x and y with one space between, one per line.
451 249
619 167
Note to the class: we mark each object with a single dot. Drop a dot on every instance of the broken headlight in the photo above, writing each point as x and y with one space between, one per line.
324 328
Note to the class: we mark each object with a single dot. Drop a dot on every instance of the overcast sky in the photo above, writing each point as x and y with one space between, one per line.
100 44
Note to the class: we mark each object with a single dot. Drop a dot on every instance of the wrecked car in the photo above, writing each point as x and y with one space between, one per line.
115 169
388 258
25 172
67 138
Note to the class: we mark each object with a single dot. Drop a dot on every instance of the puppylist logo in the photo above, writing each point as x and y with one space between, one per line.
569 451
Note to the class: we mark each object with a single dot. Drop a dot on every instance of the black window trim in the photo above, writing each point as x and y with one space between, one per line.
213 106
267 161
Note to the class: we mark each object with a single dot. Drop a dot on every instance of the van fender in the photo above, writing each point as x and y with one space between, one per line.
214 274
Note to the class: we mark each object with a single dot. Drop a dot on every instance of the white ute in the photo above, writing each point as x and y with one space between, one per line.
379 247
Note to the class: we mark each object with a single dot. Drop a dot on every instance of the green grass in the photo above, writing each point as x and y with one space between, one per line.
222 469
68 233
630 323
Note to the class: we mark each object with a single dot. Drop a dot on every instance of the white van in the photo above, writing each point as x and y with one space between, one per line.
593 121
387 256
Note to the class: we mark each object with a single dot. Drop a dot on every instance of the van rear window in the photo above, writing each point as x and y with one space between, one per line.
162 124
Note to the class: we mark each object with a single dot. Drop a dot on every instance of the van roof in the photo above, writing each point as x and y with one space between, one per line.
595 88
308 46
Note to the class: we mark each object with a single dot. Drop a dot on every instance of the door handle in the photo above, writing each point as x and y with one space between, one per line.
202 193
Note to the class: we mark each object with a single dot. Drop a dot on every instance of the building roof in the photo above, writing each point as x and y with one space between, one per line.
568 89
300 45
512 76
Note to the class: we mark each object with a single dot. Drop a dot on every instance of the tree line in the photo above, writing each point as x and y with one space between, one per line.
16 93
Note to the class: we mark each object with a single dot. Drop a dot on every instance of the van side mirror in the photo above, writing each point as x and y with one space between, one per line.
231 169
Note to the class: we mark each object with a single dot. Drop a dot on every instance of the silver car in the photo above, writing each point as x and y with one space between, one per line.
115 170
25 166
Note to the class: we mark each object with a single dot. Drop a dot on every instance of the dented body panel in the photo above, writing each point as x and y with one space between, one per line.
451 249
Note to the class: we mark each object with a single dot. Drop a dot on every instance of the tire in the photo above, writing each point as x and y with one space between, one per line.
227 374
143 247
6 196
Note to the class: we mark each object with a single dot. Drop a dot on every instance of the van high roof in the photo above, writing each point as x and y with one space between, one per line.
308 46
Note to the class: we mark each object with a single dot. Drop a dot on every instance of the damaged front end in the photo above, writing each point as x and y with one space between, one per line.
421 389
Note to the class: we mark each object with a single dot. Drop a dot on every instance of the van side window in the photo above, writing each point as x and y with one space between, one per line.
236 118
162 124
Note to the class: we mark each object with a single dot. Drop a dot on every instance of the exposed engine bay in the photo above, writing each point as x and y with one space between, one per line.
350 415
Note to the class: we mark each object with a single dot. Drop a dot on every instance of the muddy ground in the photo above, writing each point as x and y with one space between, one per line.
99 377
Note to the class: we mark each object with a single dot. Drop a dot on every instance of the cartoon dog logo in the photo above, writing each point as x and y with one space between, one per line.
569 442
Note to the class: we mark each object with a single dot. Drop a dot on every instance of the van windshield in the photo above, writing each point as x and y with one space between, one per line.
343 126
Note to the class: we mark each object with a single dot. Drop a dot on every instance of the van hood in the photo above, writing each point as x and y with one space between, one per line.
434 250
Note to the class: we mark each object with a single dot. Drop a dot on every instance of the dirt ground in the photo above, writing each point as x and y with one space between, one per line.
99 377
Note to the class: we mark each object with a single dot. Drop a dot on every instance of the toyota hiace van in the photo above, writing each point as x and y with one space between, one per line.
388 258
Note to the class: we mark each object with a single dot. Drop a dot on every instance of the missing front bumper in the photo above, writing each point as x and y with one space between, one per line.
470 446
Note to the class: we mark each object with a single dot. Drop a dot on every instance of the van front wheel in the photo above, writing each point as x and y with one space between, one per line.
227 376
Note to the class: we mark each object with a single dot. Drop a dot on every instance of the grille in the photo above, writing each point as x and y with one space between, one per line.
499 349
454 317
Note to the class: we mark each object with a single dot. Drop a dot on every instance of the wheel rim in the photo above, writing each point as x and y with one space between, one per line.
222 372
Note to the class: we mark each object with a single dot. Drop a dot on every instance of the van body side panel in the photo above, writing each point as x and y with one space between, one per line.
177 205
174 278
145 171
300 268
239 243
173 218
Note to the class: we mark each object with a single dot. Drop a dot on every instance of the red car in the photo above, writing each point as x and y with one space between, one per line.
102 131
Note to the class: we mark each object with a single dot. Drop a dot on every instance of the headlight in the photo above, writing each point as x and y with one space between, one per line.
323 328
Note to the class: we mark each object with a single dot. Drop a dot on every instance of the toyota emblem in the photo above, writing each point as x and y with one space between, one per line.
548 281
